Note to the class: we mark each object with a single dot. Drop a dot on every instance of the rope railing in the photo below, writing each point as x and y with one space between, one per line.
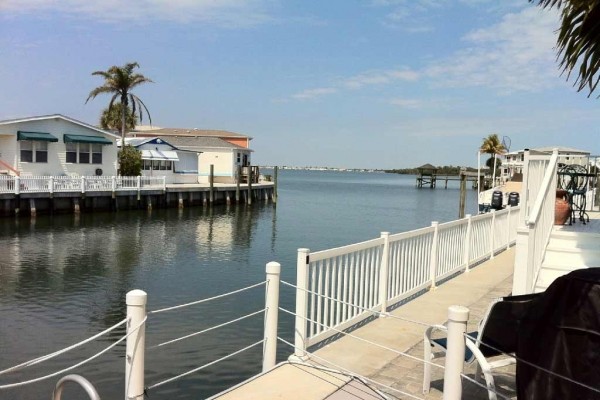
62 351
481 385
379 313
352 373
153 386
193 303
207 329
401 353
555 374
79 364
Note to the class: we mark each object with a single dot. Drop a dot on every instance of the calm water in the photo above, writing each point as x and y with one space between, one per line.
64 278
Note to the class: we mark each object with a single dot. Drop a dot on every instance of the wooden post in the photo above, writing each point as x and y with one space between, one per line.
237 186
463 195
211 182
32 210
249 184
275 170
446 184
180 200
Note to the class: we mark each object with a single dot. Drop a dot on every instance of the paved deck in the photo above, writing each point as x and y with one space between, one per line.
475 290
593 226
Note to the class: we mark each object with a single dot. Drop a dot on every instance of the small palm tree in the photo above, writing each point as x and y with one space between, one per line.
493 146
119 81
578 42
111 118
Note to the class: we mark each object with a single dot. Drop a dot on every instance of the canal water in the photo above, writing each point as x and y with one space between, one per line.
64 278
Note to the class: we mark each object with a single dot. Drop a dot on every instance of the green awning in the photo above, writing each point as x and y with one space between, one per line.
87 139
41 136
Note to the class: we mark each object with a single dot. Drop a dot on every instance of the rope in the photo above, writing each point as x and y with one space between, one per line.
485 387
360 307
353 374
204 366
538 367
62 371
62 351
205 300
207 330
368 341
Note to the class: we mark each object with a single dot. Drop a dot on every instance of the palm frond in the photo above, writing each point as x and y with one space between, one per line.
139 101
99 90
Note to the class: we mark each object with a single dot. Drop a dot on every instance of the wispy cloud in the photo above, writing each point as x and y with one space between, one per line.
309 94
224 13
380 77
517 54
407 103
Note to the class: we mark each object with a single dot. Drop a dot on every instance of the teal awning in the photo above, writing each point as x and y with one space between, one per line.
41 136
87 139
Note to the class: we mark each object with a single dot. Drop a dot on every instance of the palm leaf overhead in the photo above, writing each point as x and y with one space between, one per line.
119 81
578 42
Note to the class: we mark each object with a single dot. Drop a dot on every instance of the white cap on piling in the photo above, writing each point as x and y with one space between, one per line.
273 268
458 313
136 297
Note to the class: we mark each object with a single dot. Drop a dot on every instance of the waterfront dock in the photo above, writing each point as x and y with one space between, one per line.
33 195
474 289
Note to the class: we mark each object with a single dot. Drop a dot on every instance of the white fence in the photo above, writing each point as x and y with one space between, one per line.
339 287
533 236
83 184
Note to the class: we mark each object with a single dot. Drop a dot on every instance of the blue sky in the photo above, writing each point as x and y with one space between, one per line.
341 83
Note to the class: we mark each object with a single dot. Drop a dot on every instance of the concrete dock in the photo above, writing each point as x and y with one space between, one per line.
475 290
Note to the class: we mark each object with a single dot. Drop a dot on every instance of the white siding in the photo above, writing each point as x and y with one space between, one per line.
223 162
57 164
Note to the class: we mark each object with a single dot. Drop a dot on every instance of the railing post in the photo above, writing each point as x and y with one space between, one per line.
384 272
17 185
139 182
524 199
113 184
271 316
164 183
51 184
83 184
492 229
455 355
508 227
300 340
134 353
467 244
434 255
521 259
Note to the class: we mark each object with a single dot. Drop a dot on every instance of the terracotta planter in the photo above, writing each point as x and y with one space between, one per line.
561 208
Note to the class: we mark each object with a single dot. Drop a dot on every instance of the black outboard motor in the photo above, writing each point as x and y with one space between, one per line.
513 199
497 197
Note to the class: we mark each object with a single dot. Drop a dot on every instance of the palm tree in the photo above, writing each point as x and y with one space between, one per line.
119 81
111 118
492 145
578 42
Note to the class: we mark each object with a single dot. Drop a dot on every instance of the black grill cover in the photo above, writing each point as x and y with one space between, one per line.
561 332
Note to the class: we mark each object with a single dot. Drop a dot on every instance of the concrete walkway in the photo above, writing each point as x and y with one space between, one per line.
475 290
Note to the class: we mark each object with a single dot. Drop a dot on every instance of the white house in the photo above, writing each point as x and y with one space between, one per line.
56 145
513 162
160 158
223 149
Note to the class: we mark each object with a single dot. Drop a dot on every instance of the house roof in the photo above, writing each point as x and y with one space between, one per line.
157 131
570 150
58 116
198 143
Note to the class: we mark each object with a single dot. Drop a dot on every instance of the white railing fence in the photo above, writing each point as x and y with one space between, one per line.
534 231
340 287
83 184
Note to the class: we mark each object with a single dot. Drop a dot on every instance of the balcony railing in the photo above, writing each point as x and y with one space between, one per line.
57 184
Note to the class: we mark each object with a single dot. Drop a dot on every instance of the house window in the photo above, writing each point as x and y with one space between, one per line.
71 152
155 165
163 165
26 151
34 151
147 165
239 158
96 154
84 153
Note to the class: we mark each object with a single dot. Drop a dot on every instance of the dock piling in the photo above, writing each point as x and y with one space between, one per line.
274 194
249 198
271 316
211 182
455 356
136 341
237 186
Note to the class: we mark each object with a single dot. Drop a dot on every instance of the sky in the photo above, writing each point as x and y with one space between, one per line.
337 83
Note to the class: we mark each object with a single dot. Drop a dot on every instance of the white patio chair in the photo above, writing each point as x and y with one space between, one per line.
498 329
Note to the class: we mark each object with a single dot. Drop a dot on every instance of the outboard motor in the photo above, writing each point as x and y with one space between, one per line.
513 199
497 197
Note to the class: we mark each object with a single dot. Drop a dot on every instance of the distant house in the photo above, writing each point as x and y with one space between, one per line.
512 163
55 145
160 158
222 149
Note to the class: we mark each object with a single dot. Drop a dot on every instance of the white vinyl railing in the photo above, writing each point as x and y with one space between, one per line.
534 233
83 184
341 287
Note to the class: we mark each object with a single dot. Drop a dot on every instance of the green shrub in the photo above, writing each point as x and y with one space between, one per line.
130 161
